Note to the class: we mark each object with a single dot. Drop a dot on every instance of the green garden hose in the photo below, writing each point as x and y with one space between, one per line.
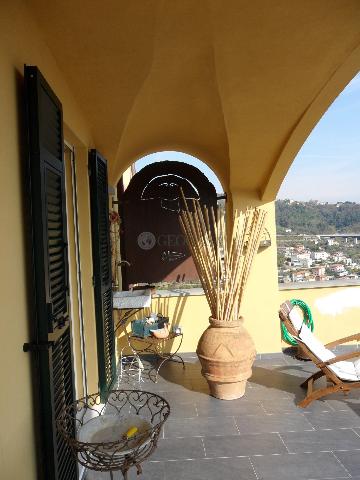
308 320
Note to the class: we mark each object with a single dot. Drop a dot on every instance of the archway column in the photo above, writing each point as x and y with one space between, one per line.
261 303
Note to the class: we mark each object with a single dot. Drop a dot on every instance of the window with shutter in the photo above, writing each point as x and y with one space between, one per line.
102 269
51 346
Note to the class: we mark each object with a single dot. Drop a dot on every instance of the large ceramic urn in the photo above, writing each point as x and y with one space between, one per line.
223 254
226 352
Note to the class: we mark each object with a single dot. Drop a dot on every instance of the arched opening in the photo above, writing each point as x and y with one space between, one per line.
318 204
150 197
314 111
177 156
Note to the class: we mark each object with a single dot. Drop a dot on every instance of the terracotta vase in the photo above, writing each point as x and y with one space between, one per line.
226 353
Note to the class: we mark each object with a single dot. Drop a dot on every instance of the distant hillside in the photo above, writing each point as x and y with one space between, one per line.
315 218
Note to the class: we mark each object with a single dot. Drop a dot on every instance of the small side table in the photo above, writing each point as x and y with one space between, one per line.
156 347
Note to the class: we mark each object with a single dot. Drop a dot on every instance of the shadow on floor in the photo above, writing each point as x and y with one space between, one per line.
268 378
171 376
189 377
288 378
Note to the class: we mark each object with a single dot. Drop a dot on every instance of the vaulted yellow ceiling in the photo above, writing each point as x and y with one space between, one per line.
238 83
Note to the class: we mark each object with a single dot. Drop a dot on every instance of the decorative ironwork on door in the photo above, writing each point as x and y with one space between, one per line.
151 238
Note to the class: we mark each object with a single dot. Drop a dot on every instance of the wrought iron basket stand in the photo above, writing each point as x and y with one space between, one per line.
124 453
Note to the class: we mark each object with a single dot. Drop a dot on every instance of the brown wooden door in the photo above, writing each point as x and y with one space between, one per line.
151 237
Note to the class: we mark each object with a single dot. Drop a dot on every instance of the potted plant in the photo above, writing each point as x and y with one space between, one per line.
223 257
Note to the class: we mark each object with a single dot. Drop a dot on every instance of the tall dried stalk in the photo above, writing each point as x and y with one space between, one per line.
223 261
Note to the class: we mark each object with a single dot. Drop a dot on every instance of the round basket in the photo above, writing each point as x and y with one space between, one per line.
96 430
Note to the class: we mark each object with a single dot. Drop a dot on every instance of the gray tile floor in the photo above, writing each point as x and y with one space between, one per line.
262 436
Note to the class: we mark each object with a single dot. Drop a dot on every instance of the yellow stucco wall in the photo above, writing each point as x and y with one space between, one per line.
20 42
335 310
336 313
86 266
74 287
261 303
191 312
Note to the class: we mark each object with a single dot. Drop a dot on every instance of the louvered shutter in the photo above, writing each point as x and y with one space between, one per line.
102 269
51 344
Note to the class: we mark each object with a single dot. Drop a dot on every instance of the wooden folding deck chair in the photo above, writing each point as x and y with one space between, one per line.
342 374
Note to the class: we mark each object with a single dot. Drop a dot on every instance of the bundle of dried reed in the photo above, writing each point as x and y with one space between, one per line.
223 256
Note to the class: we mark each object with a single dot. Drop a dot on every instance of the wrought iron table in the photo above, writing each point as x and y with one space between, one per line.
156 346
149 345
123 453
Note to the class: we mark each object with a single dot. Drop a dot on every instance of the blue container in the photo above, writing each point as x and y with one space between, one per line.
140 328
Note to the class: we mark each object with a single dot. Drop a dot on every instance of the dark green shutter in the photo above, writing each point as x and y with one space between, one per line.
51 345
102 270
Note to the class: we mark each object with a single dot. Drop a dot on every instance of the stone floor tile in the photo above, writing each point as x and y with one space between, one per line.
190 357
183 410
151 471
321 440
344 403
339 419
184 396
297 371
317 406
200 385
179 448
150 386
251 424
289 405
292 360
209 469
352 395
164 386
244 445
351 461
280 406
345 348
258 393
273 362
298 466
278 377
199 426
209 408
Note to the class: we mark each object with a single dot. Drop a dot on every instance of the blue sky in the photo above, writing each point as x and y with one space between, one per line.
327 168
